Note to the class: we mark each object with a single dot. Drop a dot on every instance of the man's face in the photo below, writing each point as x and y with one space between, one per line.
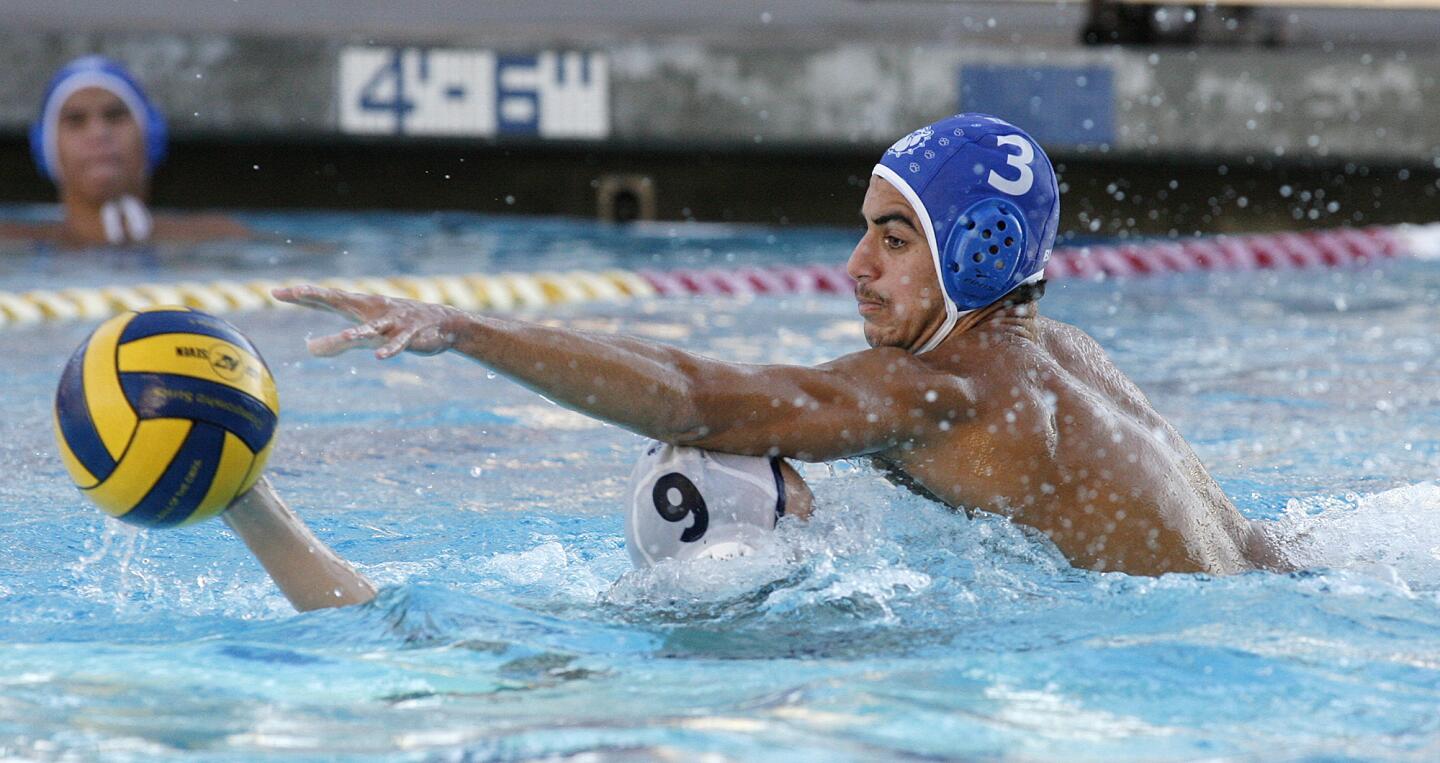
101 151
894 272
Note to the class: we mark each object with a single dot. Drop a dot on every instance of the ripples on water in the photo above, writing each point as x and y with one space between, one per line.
511 625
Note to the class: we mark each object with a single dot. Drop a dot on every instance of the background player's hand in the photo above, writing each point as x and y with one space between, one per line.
391 325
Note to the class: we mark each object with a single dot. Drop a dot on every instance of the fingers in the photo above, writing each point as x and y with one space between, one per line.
377 328
370 334
306 295
390 325
345 303
332 345
397 344
354 306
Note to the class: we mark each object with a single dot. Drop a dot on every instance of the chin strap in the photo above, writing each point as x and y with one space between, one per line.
951 316
126 221
1034 282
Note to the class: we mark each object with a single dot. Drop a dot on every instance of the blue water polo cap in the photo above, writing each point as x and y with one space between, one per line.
101 72
987 199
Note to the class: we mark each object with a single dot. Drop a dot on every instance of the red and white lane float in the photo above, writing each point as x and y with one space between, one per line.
1332 248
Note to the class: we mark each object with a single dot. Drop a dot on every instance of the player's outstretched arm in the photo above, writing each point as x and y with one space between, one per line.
308 572
860 404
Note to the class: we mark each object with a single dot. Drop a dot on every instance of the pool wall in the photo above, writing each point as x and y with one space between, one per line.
836 90
774 118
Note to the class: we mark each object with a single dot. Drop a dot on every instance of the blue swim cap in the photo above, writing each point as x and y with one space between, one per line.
101 72
986 196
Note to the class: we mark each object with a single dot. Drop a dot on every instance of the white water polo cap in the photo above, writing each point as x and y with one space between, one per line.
989 204
687 503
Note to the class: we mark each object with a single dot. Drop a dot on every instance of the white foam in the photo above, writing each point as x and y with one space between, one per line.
1393 535
550 565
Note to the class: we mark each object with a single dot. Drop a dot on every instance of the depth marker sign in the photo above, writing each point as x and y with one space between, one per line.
446 92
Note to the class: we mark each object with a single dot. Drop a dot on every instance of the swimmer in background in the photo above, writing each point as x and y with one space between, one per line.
967 395
99 139
681 503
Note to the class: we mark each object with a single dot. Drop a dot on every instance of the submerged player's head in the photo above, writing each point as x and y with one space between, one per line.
687 503
959 215
97 135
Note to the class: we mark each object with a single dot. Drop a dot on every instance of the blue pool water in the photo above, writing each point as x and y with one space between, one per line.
511 625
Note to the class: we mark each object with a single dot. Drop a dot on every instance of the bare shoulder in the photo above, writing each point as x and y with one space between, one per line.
1059 336
1082 357
916 397
199 227
882 359
33 232
865 403
899 373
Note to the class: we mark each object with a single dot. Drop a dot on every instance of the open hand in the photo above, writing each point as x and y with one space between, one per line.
391 325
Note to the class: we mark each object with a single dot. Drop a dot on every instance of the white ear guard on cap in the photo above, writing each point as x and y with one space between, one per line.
688 503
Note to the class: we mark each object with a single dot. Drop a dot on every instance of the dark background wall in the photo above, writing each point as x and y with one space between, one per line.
774 111
1110 196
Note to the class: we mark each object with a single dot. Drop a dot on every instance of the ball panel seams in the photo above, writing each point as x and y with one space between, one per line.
84 452
184 482
114 418
165 396
158 440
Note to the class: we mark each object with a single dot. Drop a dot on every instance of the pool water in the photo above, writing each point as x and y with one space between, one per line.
511 625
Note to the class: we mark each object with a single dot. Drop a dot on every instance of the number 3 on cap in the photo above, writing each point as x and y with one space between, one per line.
1020 161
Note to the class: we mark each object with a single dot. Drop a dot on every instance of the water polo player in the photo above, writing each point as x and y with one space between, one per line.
966 394
99 138
681 503
687 503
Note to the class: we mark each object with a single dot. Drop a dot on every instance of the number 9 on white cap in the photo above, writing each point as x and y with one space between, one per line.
687 503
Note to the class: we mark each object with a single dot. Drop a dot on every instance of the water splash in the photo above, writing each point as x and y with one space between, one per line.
1393 535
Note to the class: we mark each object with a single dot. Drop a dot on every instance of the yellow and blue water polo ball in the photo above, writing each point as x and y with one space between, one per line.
165 415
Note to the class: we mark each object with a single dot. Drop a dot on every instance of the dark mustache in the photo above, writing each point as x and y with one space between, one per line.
862 294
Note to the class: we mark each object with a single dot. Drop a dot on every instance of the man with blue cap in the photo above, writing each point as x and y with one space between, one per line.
99 138
966 394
